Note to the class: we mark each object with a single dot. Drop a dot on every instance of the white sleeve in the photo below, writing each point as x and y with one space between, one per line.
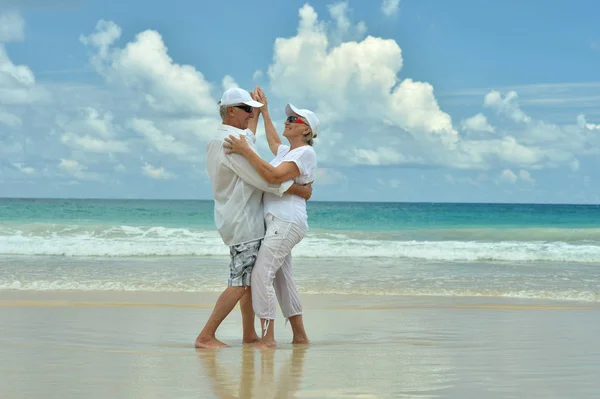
305 158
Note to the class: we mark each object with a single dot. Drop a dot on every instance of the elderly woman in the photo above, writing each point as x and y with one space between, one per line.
285 217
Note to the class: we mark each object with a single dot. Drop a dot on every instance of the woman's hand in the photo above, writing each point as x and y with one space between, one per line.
255 111
235 145
261 98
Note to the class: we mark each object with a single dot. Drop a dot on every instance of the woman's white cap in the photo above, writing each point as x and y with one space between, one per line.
307 114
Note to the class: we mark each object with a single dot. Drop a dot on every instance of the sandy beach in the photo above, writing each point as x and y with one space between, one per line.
124 345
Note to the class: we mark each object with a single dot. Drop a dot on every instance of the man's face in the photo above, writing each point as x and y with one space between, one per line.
241 115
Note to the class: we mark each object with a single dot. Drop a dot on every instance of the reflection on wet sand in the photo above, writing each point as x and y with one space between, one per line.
265 381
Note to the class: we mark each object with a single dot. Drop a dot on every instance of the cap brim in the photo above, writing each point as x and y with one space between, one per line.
253 103
291 110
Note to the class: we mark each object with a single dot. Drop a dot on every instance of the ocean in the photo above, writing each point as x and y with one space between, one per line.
547 252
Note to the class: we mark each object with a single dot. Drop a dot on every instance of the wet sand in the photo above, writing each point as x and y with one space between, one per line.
124 345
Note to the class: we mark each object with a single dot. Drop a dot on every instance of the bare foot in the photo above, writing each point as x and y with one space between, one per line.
300 341
251 339
212 343
265 344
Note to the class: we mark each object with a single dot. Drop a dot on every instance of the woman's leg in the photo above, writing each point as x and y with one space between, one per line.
289 300
275 247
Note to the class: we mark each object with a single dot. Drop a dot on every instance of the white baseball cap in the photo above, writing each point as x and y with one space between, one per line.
237 96
307 114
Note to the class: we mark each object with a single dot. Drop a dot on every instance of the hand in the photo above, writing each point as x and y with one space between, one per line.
235 145
308 193
255 111
261 98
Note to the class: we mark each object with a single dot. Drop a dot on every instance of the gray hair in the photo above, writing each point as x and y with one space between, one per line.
223 111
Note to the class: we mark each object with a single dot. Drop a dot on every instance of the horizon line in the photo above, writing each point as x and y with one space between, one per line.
339 201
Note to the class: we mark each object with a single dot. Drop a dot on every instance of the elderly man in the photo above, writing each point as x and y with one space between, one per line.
238 191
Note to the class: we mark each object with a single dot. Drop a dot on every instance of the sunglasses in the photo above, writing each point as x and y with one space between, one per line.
246 108
295 119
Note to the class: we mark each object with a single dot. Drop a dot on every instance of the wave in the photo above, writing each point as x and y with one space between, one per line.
217 286
435 245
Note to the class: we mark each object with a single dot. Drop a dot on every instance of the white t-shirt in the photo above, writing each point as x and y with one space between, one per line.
292 208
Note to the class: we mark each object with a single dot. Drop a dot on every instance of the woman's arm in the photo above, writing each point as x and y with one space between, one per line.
284 172
253 122
272 136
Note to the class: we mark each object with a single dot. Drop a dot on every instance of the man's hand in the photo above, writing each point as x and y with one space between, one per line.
301 190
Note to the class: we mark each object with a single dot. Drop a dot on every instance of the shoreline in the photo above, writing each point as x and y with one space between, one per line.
206 300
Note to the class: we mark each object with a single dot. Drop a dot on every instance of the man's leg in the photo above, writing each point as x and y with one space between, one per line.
225 304
249 332
243 257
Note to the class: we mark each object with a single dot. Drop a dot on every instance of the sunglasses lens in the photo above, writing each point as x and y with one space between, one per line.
246 108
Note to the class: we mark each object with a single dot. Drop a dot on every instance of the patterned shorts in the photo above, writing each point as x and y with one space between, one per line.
243 257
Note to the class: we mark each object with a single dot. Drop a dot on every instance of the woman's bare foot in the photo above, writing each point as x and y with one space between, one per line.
300 341
265 344
209 343
251 339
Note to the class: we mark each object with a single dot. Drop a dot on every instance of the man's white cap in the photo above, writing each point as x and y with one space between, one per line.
307 114
236 96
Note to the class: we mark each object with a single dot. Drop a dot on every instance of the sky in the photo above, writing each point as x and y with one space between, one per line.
419 101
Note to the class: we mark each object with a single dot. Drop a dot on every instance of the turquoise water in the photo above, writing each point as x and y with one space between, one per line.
322 215
526 251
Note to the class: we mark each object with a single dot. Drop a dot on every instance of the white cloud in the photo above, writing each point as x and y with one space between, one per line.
582 123
526 177
343 29
145 67
16 82
9 119
390 7
78 170
477 123
25 169
258 74
509 176
507 106
355 83
328 176
575 165
107 32
12 26
156 173
88 120
229 83
92 144
161 142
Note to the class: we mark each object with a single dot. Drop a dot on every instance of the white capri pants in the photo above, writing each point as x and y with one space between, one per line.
272 279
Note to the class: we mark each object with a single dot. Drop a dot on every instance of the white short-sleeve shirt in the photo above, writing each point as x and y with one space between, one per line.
292 208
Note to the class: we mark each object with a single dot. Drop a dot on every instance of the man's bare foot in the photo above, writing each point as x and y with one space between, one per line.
250 339
300 341
262 344
209 343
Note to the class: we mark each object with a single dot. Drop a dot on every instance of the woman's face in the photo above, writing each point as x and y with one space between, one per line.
295 126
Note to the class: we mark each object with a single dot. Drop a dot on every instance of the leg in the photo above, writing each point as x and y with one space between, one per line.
249 334
243 257
289 300
275 247
225 304
263 296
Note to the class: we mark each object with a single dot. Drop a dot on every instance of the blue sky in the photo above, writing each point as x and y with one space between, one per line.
467 101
